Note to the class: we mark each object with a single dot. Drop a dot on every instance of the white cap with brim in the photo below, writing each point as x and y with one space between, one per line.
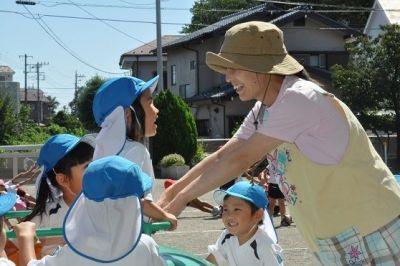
112 136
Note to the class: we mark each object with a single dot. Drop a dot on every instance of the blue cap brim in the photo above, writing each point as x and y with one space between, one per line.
7 202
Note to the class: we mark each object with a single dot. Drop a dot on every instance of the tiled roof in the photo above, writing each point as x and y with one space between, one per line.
150 46
226 22
32 95
225 90
266 12
6 69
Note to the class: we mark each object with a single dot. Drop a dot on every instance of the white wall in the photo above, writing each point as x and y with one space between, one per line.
312 37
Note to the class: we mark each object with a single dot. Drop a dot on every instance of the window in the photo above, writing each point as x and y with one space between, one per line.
318 60
173 75
183 90
2 78
192 65
203 127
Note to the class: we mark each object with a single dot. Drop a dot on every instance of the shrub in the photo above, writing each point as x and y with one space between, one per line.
176 132
172 159
199 155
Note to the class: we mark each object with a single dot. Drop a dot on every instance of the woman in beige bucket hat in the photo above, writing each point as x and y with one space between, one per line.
344 199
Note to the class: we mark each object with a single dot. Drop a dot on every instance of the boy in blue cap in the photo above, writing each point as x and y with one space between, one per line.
7 202
104 223
244 242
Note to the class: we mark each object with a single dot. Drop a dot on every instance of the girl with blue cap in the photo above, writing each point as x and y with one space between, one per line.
62 161
123 108
104 223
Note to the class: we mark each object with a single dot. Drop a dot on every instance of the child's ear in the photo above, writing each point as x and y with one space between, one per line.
62 180
259 214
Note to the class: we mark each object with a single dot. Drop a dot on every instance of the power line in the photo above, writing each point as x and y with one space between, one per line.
111 26
60 43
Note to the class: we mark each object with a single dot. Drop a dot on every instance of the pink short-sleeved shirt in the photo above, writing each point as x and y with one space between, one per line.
302 115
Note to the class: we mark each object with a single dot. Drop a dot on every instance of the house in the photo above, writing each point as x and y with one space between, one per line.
7 85
40 106
38 103
313 39
142 61
383 12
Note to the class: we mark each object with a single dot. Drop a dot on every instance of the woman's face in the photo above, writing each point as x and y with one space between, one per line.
150 114
249 85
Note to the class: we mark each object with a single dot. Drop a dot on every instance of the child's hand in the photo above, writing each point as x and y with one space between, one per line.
25 229
172 219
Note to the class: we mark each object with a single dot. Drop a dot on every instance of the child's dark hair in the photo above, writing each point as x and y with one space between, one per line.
253 208
80 154
137 127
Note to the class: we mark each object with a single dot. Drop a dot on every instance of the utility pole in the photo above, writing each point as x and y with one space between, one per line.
26 76
75 102
160 63
37 67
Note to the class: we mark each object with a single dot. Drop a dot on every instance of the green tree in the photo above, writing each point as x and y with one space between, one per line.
70 122
207 12
370 82
53 104
8 119
176 131
85 102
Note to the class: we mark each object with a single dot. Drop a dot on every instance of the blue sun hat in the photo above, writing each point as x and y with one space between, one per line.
252 193
7 201
51 152
108 110
104 223
244 190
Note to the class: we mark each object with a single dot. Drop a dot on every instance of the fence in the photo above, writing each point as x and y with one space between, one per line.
17 158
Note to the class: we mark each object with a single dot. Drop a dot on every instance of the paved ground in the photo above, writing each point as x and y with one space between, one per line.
197 229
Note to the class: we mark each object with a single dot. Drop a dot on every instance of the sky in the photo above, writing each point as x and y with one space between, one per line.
83 41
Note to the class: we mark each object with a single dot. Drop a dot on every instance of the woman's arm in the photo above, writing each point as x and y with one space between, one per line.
197 170
222 168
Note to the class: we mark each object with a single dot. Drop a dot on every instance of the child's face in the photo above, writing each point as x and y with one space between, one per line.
75 180
237 217
150 114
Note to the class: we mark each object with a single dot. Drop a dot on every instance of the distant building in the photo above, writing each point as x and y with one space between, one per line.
7 85
142 61
40 106
385 12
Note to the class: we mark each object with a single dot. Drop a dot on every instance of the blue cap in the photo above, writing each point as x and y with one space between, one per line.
114 177
244 190
121 91
55 149
7 201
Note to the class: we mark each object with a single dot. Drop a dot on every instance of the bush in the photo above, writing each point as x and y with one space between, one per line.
172 159
176 132
199 155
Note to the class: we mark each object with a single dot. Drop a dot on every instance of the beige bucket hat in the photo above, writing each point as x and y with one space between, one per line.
254 46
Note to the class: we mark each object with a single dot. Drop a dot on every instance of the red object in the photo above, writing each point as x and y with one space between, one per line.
168 183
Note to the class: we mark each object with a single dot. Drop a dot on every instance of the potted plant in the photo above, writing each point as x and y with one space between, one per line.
173 166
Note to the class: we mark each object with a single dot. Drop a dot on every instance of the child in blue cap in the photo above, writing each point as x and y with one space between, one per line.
62 161
244 242
104 223
123 108
7 202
